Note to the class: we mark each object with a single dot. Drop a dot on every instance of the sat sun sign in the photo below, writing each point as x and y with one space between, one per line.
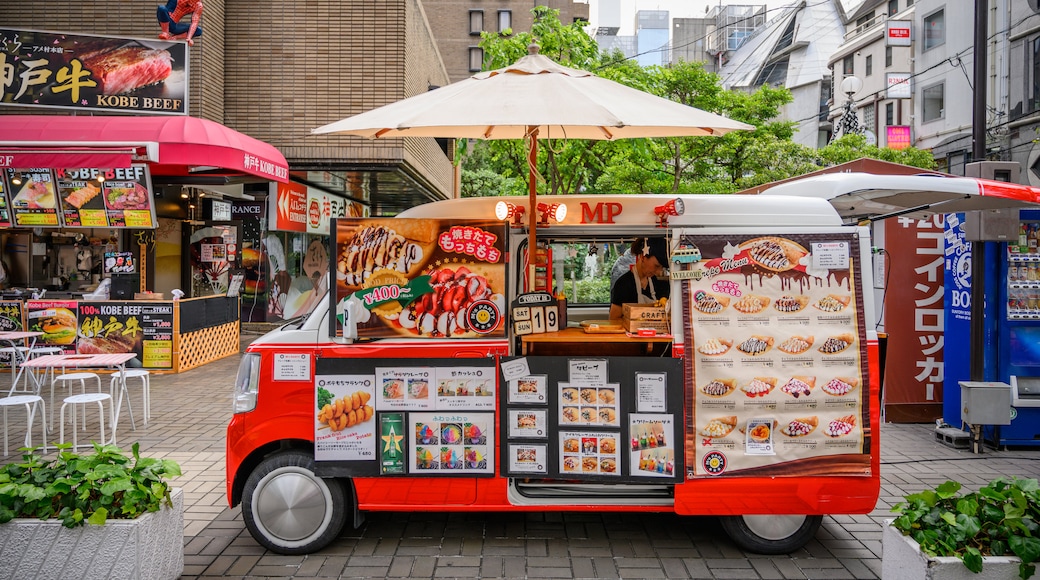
898 32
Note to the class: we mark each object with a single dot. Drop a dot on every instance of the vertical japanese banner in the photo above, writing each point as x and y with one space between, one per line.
957 281
914 320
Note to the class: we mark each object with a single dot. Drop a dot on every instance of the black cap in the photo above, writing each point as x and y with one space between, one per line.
657 248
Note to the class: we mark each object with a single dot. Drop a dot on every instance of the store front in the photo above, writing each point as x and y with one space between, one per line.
79 206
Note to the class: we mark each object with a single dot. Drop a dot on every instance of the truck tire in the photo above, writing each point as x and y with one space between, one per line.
772 534
288 509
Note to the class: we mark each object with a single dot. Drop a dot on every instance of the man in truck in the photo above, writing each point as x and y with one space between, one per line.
642 284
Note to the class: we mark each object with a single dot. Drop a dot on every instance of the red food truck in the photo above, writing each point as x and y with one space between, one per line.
440 376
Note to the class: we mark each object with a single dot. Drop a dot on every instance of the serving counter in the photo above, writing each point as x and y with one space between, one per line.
166 335
576 341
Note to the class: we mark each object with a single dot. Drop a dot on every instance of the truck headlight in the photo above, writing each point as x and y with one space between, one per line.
247 383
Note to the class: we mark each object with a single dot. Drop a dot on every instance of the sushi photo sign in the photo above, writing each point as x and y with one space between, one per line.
91 72
81 197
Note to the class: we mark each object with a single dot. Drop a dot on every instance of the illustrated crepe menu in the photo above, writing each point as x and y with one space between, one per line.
778 343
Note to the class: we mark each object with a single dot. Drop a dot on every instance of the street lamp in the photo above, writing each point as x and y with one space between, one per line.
849 122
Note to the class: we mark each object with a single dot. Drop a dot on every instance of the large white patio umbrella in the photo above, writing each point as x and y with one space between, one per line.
534 98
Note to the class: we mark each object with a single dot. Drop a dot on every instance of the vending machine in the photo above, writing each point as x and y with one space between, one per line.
1011 341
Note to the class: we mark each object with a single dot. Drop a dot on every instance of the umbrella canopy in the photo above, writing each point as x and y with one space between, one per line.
534 97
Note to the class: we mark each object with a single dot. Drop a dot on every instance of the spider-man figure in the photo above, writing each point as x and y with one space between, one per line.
169 19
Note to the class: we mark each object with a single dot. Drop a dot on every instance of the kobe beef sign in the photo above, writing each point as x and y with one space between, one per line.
138 327
79 71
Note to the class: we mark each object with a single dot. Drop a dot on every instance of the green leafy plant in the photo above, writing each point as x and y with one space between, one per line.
78 489
324 397
998 520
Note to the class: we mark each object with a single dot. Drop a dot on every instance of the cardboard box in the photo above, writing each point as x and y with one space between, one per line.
633 326
644 312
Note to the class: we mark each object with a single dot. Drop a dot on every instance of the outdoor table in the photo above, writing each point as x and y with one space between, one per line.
18 356
576 341
115 361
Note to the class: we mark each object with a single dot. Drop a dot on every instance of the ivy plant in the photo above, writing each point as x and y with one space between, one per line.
998 520
78 489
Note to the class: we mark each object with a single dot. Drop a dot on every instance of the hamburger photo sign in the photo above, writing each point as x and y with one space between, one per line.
56 320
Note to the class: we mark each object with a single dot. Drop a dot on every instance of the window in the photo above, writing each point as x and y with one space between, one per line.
848 68
893 7
869 65
505 20
1034 101
864 20
933 102
909 3
476 58
934 29
476 22
890 114
869 117
888 56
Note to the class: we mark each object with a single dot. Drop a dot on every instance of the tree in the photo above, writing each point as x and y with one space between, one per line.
735 161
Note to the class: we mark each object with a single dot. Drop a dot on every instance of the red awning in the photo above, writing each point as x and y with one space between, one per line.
172 145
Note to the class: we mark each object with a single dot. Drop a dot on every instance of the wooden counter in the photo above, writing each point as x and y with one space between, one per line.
575 341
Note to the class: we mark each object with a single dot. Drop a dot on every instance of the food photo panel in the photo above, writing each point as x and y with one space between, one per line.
451 443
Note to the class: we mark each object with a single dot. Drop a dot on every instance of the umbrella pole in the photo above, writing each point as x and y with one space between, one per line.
532 210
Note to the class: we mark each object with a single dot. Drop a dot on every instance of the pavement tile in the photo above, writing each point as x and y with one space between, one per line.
188 425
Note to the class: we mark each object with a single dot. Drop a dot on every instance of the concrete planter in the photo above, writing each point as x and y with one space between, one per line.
902 559
150 547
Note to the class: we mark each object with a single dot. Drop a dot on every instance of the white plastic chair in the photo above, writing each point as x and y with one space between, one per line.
67 379
146 396
29 402
85 400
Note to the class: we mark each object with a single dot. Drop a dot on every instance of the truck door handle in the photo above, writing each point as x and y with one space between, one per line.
471 354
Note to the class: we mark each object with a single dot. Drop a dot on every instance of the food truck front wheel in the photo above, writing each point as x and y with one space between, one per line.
290 510
771 534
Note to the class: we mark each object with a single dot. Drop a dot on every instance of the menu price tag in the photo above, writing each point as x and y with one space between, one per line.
515 369
292 367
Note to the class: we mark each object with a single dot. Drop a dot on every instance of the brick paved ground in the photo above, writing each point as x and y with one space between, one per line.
190 411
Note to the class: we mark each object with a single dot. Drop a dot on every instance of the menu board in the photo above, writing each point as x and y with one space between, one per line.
138 327
5 211
777 355
33 197
397 417
418 278
85 197
56 319
579 419
122 199
11 320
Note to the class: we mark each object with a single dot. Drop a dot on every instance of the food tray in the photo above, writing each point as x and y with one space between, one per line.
602 327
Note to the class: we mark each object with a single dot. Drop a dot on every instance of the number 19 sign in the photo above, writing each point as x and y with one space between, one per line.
535 313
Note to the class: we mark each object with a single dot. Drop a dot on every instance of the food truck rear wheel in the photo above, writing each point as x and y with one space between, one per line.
771 534
290 510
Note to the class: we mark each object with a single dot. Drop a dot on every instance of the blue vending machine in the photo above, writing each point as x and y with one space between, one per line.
1018 332
1011 339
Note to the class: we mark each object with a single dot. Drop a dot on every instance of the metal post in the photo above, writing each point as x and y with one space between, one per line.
978 257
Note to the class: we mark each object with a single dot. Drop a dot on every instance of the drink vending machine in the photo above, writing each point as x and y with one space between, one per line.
1012 325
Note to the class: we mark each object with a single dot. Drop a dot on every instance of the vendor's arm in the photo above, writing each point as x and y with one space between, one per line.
624 291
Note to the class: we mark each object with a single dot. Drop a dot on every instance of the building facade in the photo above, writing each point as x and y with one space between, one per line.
456 25
877 50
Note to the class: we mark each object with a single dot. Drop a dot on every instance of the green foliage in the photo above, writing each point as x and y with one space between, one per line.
735 161
78 489
1000 519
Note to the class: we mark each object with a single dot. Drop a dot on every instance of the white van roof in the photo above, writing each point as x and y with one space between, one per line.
858 196
638 210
